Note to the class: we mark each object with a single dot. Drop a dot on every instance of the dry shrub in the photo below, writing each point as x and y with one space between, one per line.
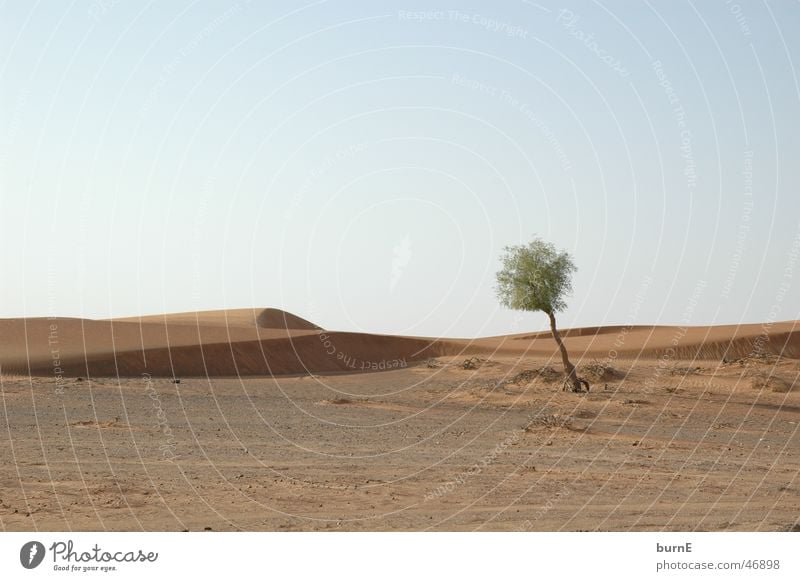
549 375
635 402
676 370
600 371
524 377
752 359
474 363
115 423
549 421
546 374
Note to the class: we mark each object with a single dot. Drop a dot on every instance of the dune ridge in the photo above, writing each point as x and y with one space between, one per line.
268 318
270 341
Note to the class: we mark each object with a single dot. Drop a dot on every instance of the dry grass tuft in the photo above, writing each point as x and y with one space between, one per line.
549 420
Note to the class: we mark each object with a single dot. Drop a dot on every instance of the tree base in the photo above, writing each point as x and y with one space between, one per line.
576 386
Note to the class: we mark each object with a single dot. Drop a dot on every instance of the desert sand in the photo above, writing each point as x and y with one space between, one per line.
256 419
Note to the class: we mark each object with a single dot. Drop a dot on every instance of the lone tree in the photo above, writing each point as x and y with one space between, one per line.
537 277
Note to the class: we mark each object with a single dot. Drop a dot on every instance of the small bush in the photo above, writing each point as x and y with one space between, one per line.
600 371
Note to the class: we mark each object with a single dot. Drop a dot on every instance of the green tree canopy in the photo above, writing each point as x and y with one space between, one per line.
535 277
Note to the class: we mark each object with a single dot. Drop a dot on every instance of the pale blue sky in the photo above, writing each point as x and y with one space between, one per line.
362 164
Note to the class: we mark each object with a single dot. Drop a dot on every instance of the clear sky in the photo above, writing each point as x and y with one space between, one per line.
362 164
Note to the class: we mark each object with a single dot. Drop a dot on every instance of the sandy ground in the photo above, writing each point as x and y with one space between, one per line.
660 443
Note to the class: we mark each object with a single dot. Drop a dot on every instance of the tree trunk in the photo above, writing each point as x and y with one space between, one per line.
569 368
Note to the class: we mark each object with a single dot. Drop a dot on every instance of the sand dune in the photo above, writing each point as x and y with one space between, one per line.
262 318
271 341
651 342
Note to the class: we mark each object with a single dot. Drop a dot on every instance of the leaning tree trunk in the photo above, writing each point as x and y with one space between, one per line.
569 368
